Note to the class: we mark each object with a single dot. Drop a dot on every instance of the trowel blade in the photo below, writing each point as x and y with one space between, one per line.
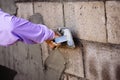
60 39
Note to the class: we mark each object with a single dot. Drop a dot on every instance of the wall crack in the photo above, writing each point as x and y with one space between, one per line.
106 21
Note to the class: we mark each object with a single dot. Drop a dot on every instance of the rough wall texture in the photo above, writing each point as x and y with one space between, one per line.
113 19
78 17
102 61
96 30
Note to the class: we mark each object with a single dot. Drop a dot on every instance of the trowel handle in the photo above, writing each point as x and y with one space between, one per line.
52 44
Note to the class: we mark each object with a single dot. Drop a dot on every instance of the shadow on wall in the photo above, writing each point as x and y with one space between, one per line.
7 73
118 72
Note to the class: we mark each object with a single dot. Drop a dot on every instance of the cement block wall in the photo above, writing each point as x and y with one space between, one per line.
96 30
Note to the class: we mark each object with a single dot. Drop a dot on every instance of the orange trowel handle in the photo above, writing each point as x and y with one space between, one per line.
51 43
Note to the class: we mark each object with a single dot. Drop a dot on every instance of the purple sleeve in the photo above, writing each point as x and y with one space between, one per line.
6 36
13 29
30 33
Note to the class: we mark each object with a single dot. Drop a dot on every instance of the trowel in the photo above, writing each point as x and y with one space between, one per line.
66 38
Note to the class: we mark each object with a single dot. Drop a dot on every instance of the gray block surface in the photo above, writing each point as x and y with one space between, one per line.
86 19
113 21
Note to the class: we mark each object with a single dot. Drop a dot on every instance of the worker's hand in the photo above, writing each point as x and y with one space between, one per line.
51 43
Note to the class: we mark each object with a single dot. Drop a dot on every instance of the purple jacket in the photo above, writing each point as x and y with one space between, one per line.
14 29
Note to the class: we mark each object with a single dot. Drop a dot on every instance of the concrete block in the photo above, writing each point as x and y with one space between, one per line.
25 10
102 61
52 13
113 21
86 19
